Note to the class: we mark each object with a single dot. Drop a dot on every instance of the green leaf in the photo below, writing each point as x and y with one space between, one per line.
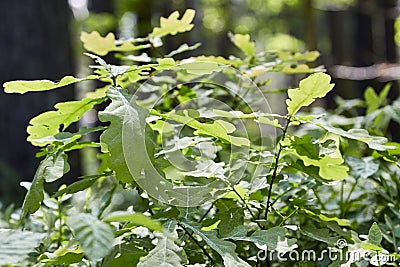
375 235
363 167
316 85
49 123
111 139
322 235
127 259
341 222
362 135
224 248
374 101
95 237
229 220
199 67
165 254
304 146
99 45
269 238
136 219
290 56
15 245
22 87
65 256
77 186
183 48
242 41
173 25
53 167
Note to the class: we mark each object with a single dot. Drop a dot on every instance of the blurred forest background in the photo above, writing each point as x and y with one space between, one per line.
358 39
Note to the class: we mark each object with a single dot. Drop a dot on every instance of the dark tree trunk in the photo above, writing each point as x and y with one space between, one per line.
34 44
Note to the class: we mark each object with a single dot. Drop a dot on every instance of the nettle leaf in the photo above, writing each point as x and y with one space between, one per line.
53 167
375 235
173 25
362 135
15 245
94 236
224 248
22 87
49 123
316 85
165 254
136 219
364 167
242 41
99 45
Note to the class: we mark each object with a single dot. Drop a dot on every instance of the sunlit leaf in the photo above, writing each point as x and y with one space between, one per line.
316 85
22 87
242 41
173 25
135 218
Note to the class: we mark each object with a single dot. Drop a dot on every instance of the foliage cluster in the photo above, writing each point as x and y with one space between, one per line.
317 179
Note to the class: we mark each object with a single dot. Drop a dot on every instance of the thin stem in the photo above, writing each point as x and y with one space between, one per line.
319 199
342 206
197 243
247 207
287 217
60 226
206 213
275 172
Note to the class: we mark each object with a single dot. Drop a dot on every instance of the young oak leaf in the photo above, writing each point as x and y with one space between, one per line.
316 85
172 25
242 41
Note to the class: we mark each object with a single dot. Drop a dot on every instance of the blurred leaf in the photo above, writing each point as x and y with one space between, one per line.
95 237
172 25
183 48
65 256
224 248
363 167
15 245
316 85
80 185
94 42
242 41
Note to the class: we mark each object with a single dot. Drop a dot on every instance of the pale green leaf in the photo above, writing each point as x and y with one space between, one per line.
65 256
362 135
363 167
53 167
111 139
290 56
22 87
165 254
15 245
99 45
134 218
375 235
95 237
242 41
183 48
49 123
316 85
199 67
224 248
173 25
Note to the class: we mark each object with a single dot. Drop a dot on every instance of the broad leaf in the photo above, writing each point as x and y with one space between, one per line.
165 254
65 256
304 146
99 45
224 248
49 123
95 237
316 85
53 167
242 41
364 167
111 139
322 235
362 135
15 245
135 219
269 238
22 87
173 25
